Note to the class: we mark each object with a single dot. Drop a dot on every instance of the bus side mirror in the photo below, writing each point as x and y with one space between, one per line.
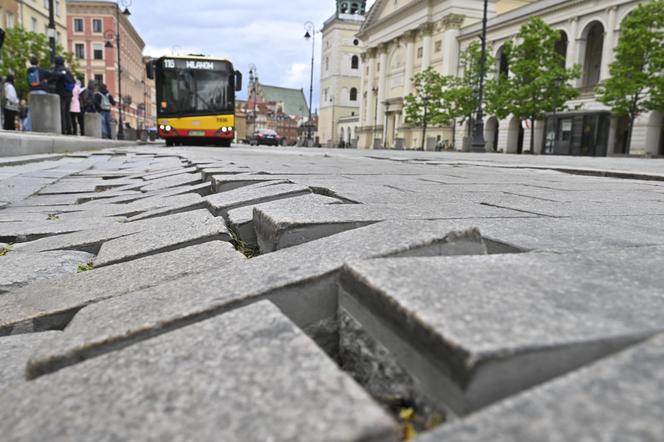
149 69
2 37
238 81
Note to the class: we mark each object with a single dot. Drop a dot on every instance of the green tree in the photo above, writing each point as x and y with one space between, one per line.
538 82
19 46
425 107
637 82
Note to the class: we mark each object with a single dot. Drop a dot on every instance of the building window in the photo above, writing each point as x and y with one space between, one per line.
356 42
355 62
327 63
439 46
57 8
98 51
99 79
10 20
33 24
420 52
593 56
79 50
96 26
353 94
78 25
377 67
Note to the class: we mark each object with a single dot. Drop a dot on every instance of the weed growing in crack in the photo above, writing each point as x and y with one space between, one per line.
6 249
82 268
53 217
242 246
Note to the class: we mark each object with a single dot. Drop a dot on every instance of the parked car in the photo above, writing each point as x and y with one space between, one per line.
265 137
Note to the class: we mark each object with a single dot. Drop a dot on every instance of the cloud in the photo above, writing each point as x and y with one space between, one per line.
262 32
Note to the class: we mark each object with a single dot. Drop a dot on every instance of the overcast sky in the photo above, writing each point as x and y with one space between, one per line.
267 33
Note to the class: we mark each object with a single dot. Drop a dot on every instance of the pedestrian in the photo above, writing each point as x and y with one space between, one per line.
23 111
10 104
37 85
103 103
439 144
75 110
64 85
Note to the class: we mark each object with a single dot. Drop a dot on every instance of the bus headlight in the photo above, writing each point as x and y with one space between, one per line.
162 127
224 129
168 128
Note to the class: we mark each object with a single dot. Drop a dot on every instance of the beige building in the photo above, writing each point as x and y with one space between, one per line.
8 13
33 16
340 74
403 37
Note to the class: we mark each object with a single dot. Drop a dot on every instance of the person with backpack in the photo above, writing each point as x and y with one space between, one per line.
64 85
10 104
37 84
103 103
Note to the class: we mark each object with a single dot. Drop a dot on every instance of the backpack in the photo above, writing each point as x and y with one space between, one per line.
34 79
87 100
70 82
105 102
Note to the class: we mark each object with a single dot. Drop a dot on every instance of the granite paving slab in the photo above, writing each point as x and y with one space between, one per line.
225 183
23 231
221 203
18 268
241 220
487 327
615 399
169 173
301 280
27 309
173 205
14 354
186 179
229 378
174 232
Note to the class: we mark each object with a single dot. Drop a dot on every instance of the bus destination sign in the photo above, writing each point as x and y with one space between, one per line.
199 65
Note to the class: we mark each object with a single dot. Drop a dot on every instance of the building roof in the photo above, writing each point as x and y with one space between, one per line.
293 101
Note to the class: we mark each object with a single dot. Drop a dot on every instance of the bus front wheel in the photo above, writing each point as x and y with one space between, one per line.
170 143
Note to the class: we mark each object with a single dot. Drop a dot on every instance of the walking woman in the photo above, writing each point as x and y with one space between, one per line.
75 110
10 106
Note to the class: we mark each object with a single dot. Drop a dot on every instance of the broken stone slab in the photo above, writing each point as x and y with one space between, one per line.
173 232
225 183
203 189
301 280
241 220
75 185
169 173
232 378
282 226
221 203
476 329
23 231
618 398
27 310
18 268
186 179
173 205
14 354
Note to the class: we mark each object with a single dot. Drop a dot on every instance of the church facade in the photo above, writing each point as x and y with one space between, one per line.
399 38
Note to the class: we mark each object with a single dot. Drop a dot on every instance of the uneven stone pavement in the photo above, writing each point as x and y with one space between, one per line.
257 295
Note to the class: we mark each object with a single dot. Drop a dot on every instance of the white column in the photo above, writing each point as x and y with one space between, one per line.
426 48
369 121
410 61
382 83
450 52
609 38
363 88
573 49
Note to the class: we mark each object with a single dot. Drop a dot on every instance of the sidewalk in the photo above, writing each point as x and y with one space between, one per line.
20 143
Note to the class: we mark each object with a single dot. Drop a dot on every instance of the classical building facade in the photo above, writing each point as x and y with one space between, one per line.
92 27
403 37
589 31
340 74
8 13
33 16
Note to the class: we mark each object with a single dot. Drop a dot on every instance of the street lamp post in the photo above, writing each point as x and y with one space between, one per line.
334 126
51 30
375 126
479 143
126 4
310 35
253 79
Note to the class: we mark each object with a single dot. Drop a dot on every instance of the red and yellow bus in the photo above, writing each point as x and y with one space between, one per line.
195 99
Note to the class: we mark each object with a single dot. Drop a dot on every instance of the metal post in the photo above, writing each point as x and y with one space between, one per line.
120 104
479 143
51 29
311 33
373 135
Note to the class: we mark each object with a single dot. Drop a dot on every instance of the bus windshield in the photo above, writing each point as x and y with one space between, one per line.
196 91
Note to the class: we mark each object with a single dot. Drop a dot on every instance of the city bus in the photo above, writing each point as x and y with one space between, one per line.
195 99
